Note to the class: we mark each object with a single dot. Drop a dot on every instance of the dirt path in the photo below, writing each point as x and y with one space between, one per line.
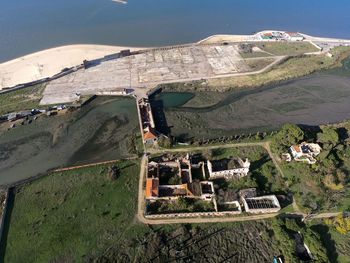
141 195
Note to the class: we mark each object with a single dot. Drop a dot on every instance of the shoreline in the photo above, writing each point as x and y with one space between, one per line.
49 62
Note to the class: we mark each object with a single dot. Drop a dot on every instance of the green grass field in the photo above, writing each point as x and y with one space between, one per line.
289 69
23 99
73 216
287 48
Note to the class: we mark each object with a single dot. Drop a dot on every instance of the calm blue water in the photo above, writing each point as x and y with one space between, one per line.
31 25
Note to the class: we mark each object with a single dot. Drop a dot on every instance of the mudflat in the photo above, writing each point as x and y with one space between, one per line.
317 99
100 131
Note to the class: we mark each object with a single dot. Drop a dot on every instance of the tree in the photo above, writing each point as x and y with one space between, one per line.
292 225
329 137
288 135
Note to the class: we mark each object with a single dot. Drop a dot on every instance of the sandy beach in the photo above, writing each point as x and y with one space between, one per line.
51 61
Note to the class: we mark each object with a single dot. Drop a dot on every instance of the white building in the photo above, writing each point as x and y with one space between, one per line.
305 152
294 36
235 169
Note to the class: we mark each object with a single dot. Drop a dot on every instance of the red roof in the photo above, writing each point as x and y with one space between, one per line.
152 187
149 135
297 148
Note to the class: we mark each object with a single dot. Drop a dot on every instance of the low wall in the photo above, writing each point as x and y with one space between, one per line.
199 214
111 93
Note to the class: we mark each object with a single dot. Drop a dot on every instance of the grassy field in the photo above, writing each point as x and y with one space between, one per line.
258 64
338 245
254 54
287 48
293 67
23 99
73 216
84 216
290 68
342 245
81 215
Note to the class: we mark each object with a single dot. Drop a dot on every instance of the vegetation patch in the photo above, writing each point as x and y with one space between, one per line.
287 48
290 68
180 205
323 186
74 216
253 242
259 64
336 243
22 99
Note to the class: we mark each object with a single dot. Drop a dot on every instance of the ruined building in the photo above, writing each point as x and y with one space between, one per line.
234 168
150 135
171 178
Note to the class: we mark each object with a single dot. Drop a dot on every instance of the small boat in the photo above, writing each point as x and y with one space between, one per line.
121 1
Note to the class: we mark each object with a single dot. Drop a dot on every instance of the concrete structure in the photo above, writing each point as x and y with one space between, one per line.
231 206
261 204
207 190
294 36
148 69
305 152
233 168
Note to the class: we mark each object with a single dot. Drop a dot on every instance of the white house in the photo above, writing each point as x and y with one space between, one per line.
305 152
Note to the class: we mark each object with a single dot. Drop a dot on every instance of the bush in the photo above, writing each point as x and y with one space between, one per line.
340 223
113 173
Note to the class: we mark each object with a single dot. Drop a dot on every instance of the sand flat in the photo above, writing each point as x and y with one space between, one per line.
51 61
